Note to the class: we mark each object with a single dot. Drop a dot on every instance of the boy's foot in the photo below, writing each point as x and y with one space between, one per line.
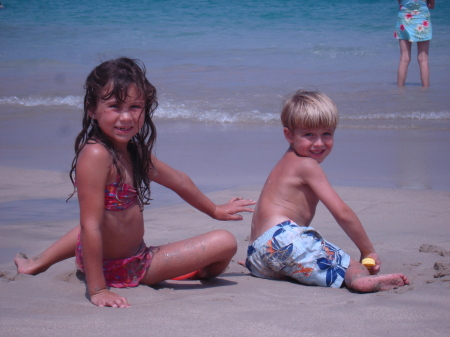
375 283
26 266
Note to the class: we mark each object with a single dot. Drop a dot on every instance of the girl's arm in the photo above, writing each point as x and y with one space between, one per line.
181 183
313 175
92 172
430 4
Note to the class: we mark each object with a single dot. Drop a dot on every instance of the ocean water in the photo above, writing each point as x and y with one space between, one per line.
226 61
228 65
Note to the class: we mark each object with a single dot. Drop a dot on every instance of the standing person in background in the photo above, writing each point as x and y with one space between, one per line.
414 25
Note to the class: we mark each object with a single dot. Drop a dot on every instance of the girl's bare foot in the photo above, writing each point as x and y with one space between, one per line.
375 283
28 266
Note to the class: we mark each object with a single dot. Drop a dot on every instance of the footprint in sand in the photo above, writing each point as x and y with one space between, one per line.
427 248
442 268
9 276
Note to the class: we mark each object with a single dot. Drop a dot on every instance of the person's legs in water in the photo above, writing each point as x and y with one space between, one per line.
422 58
405 58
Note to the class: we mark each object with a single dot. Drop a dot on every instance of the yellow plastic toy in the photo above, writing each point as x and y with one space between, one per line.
368 262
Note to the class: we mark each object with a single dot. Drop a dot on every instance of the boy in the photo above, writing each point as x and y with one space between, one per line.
282 245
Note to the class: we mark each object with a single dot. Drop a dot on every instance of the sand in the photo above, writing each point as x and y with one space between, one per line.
409 228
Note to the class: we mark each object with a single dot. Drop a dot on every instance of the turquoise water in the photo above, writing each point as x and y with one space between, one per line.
226 61
231 63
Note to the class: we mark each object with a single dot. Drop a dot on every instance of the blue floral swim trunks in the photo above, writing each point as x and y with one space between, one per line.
289 251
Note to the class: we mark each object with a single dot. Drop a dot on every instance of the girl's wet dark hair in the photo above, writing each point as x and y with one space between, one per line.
117 76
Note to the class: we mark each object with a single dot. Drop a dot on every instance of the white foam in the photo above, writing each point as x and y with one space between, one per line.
417 115
75 101
179 111
174 111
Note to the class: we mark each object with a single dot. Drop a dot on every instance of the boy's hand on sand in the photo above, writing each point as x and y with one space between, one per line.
106 298
375 269
235 205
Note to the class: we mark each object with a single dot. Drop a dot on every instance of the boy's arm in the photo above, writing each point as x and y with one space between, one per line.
430 4
314 176
181 183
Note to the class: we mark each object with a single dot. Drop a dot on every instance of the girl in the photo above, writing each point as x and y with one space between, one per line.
414 25
114 149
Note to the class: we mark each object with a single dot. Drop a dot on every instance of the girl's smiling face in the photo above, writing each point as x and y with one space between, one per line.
120 121
314 143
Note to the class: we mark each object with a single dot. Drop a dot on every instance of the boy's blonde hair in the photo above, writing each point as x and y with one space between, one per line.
309 110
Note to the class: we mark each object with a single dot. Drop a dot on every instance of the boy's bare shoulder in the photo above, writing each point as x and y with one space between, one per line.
297 171
299 165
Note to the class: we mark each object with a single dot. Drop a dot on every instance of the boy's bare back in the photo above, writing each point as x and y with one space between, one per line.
286 195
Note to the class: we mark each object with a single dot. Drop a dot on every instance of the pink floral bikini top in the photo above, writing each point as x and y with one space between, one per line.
119 197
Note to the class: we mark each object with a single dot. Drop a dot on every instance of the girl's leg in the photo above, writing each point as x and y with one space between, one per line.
422 57
58 251
209 254
405 58
358 278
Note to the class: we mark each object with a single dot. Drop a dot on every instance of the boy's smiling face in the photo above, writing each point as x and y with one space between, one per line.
313 143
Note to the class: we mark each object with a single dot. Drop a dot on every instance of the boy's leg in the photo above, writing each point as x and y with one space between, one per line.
422 58
209 254
358 278
405 58
62 249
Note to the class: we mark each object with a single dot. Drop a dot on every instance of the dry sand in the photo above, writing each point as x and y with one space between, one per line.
409 228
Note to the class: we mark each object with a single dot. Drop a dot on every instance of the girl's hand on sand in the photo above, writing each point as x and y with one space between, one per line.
235 205
375 269
106 298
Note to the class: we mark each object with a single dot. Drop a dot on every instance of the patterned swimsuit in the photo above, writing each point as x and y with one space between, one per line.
413 22
128 272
